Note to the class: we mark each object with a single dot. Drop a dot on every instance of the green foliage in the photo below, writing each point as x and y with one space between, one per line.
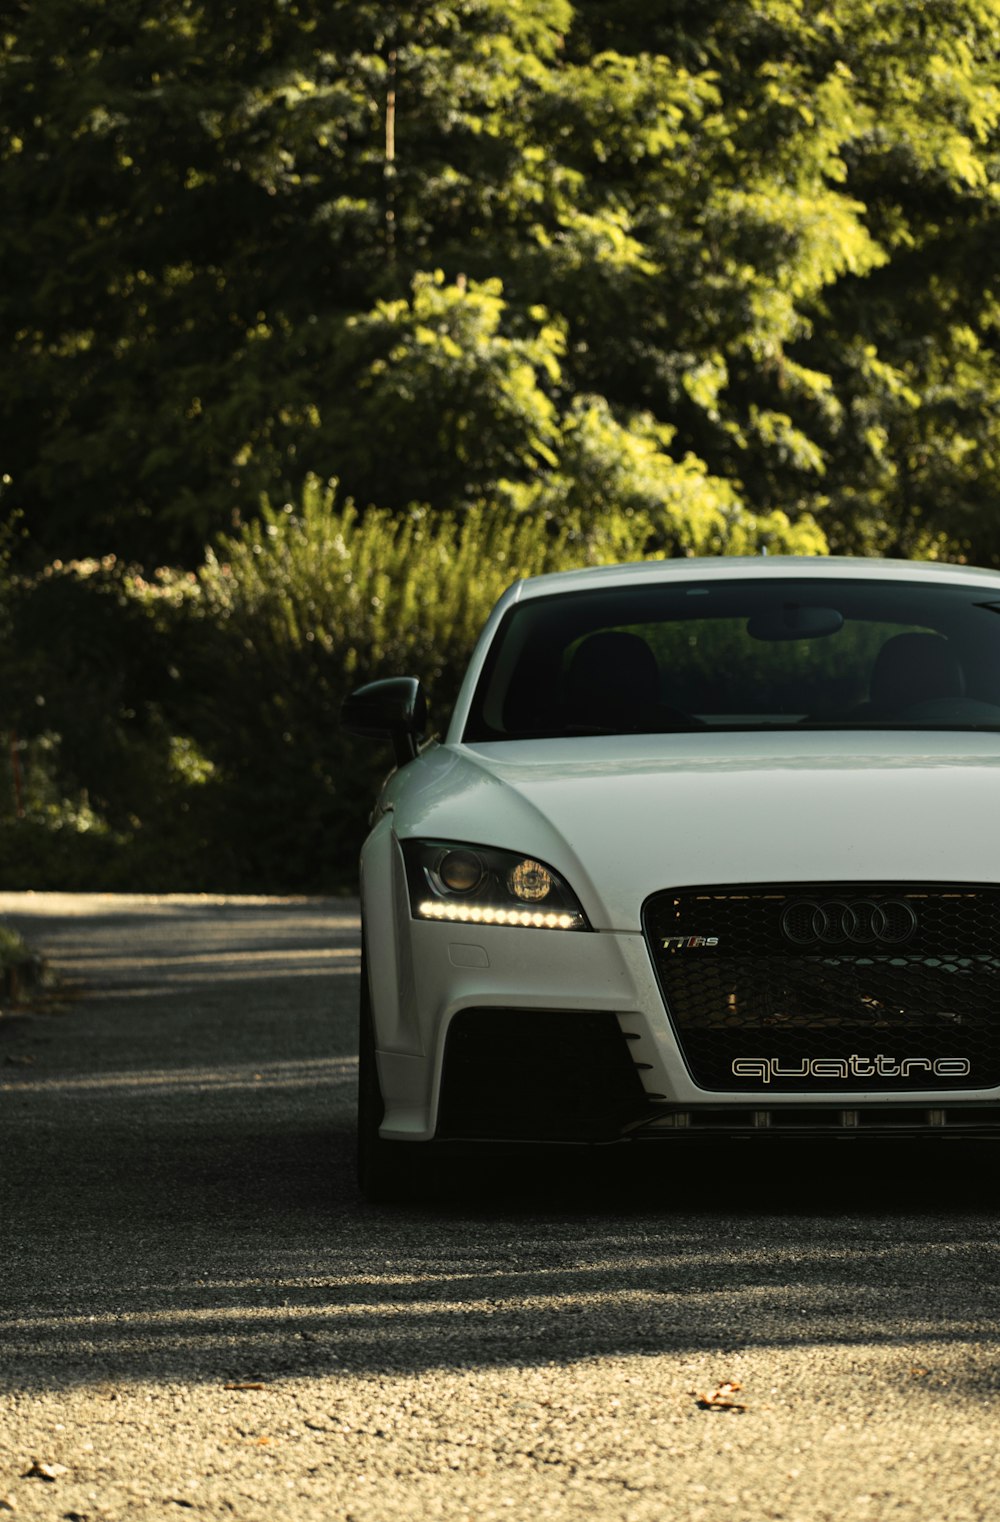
89 671
461 401
23 972
96 779
12 947
583 281
767 227
183 732
309 602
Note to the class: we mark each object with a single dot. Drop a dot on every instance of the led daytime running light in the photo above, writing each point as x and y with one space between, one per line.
477 914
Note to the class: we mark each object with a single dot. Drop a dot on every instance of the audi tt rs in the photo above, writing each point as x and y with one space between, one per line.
706 848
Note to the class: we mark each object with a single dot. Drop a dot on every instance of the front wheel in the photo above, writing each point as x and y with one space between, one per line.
386 1171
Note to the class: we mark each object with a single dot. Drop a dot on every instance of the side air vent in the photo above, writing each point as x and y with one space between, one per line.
538 1075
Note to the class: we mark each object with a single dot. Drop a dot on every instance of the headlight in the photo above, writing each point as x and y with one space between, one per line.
478 885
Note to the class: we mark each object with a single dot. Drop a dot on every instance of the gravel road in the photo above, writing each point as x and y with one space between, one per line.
198 1314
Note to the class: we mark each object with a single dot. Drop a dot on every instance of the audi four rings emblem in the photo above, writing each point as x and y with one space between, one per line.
857 921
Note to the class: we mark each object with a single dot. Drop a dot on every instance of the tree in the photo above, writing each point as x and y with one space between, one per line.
195 202
764 229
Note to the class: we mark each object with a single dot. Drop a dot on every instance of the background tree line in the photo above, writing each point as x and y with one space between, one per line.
537 282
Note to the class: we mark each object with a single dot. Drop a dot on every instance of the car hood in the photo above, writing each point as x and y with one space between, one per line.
623 817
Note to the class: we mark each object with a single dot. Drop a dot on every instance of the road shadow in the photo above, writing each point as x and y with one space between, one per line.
177 1202
140 1245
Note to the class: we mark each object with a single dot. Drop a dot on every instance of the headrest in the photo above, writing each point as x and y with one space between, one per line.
613 665
915 668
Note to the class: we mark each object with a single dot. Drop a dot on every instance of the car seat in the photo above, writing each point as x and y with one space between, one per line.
914 668
613 682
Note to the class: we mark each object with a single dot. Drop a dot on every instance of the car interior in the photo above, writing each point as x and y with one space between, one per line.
769 655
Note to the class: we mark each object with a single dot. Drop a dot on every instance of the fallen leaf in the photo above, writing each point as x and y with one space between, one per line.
917 1373
721 1398
39 1471
246 1384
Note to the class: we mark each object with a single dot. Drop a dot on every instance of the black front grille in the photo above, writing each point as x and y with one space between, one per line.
832 987
538 1075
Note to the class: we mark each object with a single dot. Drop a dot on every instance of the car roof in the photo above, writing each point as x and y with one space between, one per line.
735 567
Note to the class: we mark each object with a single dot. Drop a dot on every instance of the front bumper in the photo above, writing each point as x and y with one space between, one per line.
536 1085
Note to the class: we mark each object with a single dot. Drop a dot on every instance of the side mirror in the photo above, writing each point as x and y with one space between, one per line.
394 709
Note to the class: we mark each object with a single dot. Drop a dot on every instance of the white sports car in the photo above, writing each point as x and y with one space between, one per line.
708 848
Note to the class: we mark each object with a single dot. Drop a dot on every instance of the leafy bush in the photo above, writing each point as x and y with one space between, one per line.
94 785
309 602
181 730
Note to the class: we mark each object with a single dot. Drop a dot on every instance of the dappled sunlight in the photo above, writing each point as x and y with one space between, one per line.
372 1331
182 972
347 1307
254 958
183 1242
238 908
334 1300
304 1073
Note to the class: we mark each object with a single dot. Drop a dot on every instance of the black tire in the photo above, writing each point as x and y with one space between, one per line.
386 1172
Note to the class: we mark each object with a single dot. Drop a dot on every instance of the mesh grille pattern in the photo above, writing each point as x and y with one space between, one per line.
841 987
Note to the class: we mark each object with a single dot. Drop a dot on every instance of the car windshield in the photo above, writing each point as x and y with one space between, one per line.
731 654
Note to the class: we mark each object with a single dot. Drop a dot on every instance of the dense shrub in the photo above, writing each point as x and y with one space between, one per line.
181 730
309 602
95 788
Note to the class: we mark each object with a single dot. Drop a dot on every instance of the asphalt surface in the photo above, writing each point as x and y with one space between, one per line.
198 1314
